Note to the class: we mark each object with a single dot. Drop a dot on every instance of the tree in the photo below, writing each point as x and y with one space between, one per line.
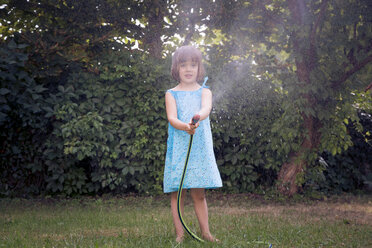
63 38
310 61
320 53
332 44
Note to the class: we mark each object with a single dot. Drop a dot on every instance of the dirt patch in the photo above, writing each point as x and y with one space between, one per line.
357 213
53 236
105 232
86 233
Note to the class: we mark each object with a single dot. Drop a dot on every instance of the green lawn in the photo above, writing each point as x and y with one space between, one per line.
237 220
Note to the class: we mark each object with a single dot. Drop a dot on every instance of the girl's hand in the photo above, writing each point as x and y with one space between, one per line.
191 128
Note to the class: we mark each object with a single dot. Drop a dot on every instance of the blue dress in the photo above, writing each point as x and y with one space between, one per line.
202 171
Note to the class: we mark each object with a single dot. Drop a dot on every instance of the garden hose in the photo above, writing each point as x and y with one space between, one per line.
195 119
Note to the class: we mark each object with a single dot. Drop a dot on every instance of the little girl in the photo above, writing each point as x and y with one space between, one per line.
182 103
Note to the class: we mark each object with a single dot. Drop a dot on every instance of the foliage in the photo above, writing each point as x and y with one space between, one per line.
108 119
348 171
24 113
84 111
321 75
244 111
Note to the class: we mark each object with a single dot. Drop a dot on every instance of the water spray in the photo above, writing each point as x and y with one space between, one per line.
194 120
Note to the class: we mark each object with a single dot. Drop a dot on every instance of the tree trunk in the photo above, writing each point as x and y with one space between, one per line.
288 174
297 164
155 28
305 63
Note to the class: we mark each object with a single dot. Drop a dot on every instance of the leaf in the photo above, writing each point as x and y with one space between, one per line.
334 151
125 171
12 44
61 88
21 46
39 89
4 91
121 102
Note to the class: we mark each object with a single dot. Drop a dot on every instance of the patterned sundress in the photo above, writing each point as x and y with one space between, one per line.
202 171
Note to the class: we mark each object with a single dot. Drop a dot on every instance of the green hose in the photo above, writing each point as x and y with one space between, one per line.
180 193
194 121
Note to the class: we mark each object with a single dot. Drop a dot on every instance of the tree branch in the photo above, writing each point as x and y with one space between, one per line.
193 18
189 35
368 87
349 73
317 22
294 7
266 13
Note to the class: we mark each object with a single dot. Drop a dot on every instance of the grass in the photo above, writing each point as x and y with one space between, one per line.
237 220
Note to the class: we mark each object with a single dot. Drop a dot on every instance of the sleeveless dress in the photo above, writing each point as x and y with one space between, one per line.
202 171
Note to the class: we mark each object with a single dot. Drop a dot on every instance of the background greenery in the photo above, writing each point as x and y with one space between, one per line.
82 93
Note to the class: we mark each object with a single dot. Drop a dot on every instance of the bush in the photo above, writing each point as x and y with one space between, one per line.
100 126
245 110
24 118
348 171
114 120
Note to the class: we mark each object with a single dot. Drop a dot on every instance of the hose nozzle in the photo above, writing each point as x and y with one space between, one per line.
195 119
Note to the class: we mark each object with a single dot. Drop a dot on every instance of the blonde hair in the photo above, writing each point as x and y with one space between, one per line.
182 54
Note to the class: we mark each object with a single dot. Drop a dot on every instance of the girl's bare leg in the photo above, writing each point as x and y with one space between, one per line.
201 210
176 219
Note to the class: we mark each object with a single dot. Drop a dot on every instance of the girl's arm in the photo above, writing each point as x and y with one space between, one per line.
171 108
206 104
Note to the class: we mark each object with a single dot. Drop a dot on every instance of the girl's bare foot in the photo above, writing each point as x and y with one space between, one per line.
179 239
210 238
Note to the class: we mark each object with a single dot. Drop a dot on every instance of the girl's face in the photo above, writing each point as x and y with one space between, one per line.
188 71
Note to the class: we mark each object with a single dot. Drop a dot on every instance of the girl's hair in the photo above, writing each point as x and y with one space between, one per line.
182 54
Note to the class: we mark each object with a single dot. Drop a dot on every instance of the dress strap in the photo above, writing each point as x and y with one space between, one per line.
205 80
172 93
